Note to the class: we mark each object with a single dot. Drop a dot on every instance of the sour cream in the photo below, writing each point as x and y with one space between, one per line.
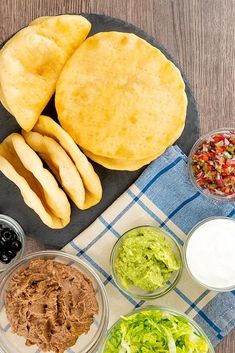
210 253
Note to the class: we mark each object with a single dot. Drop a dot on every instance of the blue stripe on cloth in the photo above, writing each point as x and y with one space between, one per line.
177 209
101 234
38 351
101 270
109 226
202 296
232 213
108 279
200 312
163 171
153 215
138 305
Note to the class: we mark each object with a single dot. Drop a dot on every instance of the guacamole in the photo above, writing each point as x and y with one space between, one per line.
145 259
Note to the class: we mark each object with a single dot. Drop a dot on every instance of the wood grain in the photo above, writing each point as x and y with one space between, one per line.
200 34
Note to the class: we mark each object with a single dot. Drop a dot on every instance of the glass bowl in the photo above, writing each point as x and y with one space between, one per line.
206 192
140 293
173 312
216 289
12 224
12 343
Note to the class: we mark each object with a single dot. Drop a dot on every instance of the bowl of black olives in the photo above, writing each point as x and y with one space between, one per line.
12 241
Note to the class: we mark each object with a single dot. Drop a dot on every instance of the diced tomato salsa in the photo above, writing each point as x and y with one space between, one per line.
213 164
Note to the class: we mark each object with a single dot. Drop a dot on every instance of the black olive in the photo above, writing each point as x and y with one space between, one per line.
9 244
10 253
5 258
7 235
16 245
2 244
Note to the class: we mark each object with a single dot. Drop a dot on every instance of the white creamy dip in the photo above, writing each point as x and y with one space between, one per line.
210 253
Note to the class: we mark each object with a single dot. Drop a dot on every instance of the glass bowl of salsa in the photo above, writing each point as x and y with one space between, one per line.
211 164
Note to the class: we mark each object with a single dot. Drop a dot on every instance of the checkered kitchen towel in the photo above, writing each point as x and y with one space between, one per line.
162 195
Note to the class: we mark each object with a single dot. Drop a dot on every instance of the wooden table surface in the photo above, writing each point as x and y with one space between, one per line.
200 34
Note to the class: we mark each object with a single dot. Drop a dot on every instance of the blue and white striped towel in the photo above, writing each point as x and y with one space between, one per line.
162 195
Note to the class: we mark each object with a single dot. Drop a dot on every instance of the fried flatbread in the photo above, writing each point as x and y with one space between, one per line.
120 97
118 164
93 189
40 191
31 62
60 164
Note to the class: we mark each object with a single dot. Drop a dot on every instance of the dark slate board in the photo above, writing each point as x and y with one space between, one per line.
114 182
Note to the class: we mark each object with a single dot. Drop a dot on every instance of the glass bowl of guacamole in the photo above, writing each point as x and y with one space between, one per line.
146 262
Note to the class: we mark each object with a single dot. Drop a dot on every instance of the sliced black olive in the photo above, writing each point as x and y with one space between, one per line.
15 245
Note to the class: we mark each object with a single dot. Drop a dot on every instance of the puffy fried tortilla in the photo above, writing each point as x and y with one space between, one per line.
31 62
118 164
93 189
120 97
40 191
60 164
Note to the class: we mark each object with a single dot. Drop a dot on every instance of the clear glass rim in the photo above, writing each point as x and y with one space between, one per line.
205 192
15 225
189 235
153 295
161 308
92 346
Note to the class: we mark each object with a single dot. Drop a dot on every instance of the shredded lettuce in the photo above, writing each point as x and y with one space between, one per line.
152 331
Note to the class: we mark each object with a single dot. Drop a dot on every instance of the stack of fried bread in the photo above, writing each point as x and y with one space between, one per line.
30 64
121 100
117 97
20 162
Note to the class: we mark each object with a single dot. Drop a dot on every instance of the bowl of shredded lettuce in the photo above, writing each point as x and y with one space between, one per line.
156 329
146 262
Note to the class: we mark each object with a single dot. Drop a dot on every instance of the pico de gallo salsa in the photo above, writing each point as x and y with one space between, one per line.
213 164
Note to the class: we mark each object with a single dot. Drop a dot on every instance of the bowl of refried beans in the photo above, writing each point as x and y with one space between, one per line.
51 301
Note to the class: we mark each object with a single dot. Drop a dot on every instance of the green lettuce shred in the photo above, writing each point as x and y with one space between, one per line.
155 331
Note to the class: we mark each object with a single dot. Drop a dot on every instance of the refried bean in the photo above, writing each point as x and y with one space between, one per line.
50 304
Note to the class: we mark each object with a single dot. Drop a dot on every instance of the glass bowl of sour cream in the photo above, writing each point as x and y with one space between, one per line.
209 253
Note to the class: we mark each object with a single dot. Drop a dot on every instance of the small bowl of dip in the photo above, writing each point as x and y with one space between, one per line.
146 262
209 253
211 164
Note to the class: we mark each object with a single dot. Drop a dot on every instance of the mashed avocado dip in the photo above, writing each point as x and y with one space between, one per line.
145 259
